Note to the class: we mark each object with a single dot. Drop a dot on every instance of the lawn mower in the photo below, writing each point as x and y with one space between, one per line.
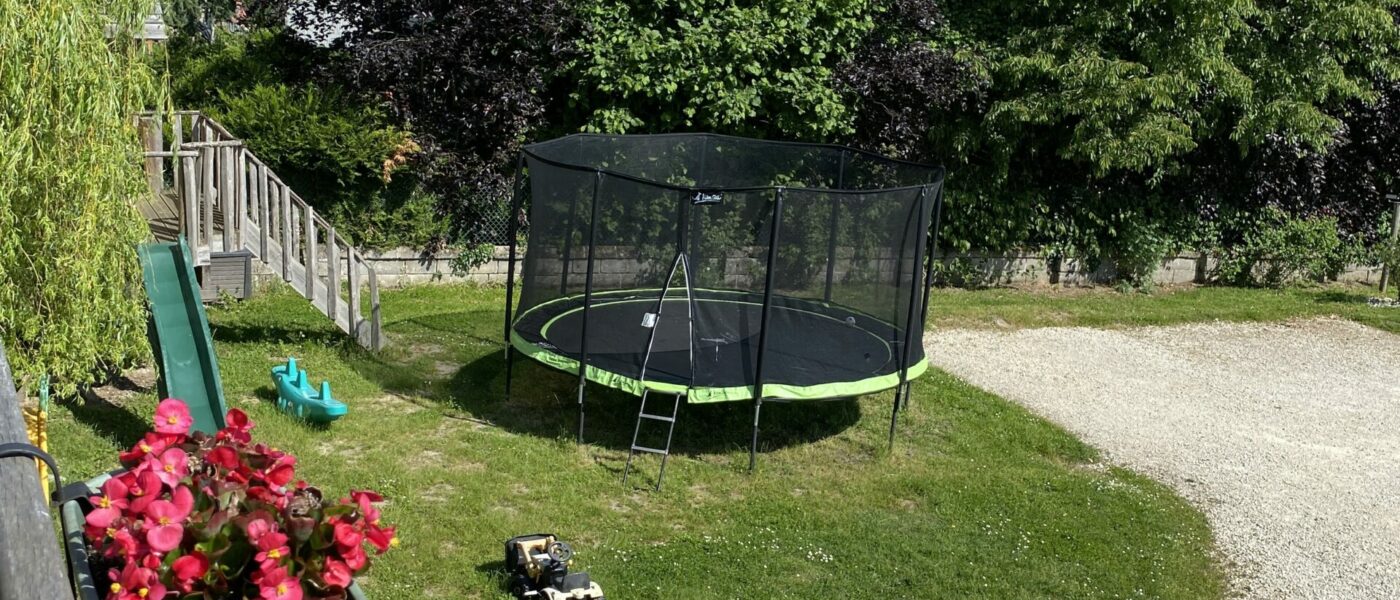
539 570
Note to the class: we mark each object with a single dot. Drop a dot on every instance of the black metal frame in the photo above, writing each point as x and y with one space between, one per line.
831 226
900 391
513 230
763 321
587 301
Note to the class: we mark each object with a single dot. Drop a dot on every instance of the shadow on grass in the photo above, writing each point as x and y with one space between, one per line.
252 334
1340 297
496 570
267 394
108 420
543 403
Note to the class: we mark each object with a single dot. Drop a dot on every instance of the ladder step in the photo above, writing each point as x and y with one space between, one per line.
651 450
657 418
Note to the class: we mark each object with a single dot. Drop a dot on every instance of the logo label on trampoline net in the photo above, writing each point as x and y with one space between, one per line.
703 197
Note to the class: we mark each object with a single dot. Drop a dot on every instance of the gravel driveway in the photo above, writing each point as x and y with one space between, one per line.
1286 435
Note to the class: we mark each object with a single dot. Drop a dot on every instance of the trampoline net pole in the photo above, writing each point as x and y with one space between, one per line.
773 237
567 258
587 300
932 251
921 239
831 229
513 231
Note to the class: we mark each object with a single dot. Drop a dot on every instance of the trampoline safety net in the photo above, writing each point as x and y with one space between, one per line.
711 265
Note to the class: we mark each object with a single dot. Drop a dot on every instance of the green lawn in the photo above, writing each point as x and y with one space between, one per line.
1102 307
979 498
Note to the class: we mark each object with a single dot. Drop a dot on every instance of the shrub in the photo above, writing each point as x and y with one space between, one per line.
338 155
70 177
341 153
472 80
1139 246
1280 249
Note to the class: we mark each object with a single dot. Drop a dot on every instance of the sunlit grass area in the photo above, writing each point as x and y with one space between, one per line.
1104 307
978 498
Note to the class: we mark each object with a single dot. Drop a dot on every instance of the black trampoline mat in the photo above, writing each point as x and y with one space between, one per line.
810 343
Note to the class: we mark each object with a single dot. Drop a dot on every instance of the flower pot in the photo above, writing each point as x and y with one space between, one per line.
73 515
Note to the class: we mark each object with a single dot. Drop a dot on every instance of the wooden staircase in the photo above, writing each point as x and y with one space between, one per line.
209 187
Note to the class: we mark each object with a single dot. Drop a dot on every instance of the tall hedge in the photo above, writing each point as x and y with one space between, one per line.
1102 128
70 176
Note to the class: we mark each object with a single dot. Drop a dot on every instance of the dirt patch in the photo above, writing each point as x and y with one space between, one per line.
437 493
394 403
122 389
423 459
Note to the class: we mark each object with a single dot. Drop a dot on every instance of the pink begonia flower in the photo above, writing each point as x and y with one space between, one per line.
165 525
108 507
144 489
171 466
172 416
275 584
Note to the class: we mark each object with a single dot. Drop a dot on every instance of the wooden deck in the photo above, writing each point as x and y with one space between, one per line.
162 213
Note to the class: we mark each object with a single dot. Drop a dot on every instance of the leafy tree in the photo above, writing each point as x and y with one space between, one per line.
1348 182
755 68
70 176
469 79
1100 113
903 76
197 17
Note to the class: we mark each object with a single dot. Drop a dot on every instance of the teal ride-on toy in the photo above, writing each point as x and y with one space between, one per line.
296 397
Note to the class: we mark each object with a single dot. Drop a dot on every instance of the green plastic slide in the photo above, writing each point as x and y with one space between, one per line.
179 332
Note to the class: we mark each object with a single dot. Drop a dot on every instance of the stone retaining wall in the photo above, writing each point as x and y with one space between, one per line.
615 266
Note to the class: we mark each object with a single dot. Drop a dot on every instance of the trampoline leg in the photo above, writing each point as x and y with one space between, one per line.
580 412
894 414
753 447
510 369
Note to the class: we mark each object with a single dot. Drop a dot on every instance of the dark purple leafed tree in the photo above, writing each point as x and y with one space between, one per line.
1351 181
469 79
899 83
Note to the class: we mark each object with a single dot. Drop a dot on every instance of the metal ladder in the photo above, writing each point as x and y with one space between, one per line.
665 453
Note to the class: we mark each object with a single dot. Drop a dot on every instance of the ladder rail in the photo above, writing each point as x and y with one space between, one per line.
665 453
679 264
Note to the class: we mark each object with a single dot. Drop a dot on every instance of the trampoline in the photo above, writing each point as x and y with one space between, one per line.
717 268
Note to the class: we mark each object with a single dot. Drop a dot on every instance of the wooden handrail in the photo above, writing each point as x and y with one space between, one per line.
31 565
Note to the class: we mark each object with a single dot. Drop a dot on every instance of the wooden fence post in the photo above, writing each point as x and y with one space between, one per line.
153 138
285 195
240 175
353 310
264 207
189 198
333 281
308 226
228 195
375 341
1394 233
206 200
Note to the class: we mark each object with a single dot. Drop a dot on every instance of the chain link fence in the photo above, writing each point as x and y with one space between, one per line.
495 224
